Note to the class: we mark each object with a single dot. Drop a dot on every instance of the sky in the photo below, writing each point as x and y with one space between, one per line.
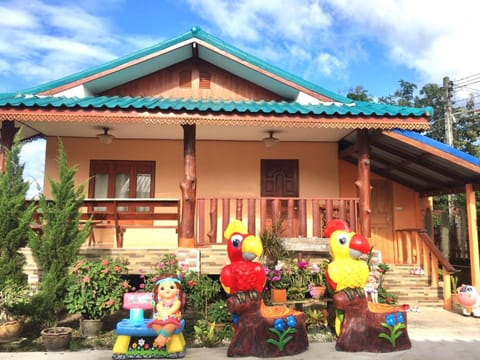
337 44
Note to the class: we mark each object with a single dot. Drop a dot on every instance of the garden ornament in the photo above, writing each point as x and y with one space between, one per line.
469 297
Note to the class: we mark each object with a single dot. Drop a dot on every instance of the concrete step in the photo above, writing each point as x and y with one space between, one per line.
414 290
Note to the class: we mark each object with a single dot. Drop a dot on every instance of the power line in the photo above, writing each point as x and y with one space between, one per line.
466 77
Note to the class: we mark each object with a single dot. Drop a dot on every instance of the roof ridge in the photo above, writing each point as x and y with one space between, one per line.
194 32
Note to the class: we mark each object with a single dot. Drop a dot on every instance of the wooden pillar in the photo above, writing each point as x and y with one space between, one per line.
363 182
186 236
7 136
473 235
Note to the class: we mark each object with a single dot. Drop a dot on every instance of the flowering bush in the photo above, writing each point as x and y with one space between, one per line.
96 287
296 276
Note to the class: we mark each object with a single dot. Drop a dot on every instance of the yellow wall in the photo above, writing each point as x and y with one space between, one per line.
223 168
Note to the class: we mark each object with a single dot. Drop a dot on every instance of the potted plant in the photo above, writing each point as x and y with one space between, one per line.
273 246
95 290
15 219
277 282
14 298
317 283
55 248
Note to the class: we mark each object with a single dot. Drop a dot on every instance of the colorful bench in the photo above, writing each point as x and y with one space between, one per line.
136 341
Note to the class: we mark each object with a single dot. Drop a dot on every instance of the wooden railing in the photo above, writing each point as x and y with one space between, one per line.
414 246
301 217
122 214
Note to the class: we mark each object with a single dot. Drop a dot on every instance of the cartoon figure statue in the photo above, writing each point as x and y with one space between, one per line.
168 303
371 288
360 325
469 298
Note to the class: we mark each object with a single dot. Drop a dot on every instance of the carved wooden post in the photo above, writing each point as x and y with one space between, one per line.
188 187
363 182
7 135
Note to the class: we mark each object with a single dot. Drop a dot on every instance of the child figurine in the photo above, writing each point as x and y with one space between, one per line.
168 303
371 288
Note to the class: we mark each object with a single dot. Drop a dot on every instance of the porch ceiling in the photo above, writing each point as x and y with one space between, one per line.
175 132
418 162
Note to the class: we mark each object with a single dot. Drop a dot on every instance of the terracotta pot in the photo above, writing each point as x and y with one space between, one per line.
278 295
317 292
11 330
91 327
58 338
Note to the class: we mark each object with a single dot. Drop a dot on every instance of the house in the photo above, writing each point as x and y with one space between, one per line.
180 137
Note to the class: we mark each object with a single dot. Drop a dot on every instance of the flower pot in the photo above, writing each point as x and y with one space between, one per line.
91 327
317 292
278 295
57 338
11 330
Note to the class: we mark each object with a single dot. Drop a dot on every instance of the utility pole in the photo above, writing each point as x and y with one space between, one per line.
447 84
447 89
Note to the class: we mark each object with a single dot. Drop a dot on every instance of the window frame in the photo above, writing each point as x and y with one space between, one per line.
114 167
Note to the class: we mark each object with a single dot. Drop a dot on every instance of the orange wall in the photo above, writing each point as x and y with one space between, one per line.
405 204
223 168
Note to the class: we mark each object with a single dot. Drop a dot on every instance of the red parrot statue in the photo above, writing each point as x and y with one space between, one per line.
242 274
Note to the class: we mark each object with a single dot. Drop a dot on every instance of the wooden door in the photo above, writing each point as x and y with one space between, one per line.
382 219
279 179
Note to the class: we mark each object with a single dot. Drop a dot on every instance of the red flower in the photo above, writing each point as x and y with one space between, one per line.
105 271
105 262
192 283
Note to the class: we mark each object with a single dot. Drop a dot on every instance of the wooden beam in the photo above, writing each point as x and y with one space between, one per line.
7 135
189 188
363 182
473 235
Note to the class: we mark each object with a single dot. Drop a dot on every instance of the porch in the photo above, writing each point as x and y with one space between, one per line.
120 223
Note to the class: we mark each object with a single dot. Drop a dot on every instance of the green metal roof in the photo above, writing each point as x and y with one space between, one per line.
199 34
207 105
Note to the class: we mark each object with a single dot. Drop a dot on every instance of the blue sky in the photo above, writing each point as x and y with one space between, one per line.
337 44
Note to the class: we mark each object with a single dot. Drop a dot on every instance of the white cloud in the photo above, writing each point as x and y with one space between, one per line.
34 164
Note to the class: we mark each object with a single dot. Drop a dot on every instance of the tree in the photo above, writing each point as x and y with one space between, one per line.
404 96
359 93
15 218
57 247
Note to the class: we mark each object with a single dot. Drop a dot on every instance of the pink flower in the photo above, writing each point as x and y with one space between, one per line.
105 262
141 286
86 279
109 303
117 269
302 265
125 284
105 271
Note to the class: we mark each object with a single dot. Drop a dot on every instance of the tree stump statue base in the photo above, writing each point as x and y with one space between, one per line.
368 326
265 331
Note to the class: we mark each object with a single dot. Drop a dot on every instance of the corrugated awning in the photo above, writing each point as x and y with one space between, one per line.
418 162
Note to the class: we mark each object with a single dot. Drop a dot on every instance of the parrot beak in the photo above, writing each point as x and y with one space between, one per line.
359 246
251 248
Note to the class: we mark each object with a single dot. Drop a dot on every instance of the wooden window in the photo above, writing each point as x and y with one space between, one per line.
121 179
185 79
204 80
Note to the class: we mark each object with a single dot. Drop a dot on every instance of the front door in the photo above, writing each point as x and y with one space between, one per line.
382 219
279 179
